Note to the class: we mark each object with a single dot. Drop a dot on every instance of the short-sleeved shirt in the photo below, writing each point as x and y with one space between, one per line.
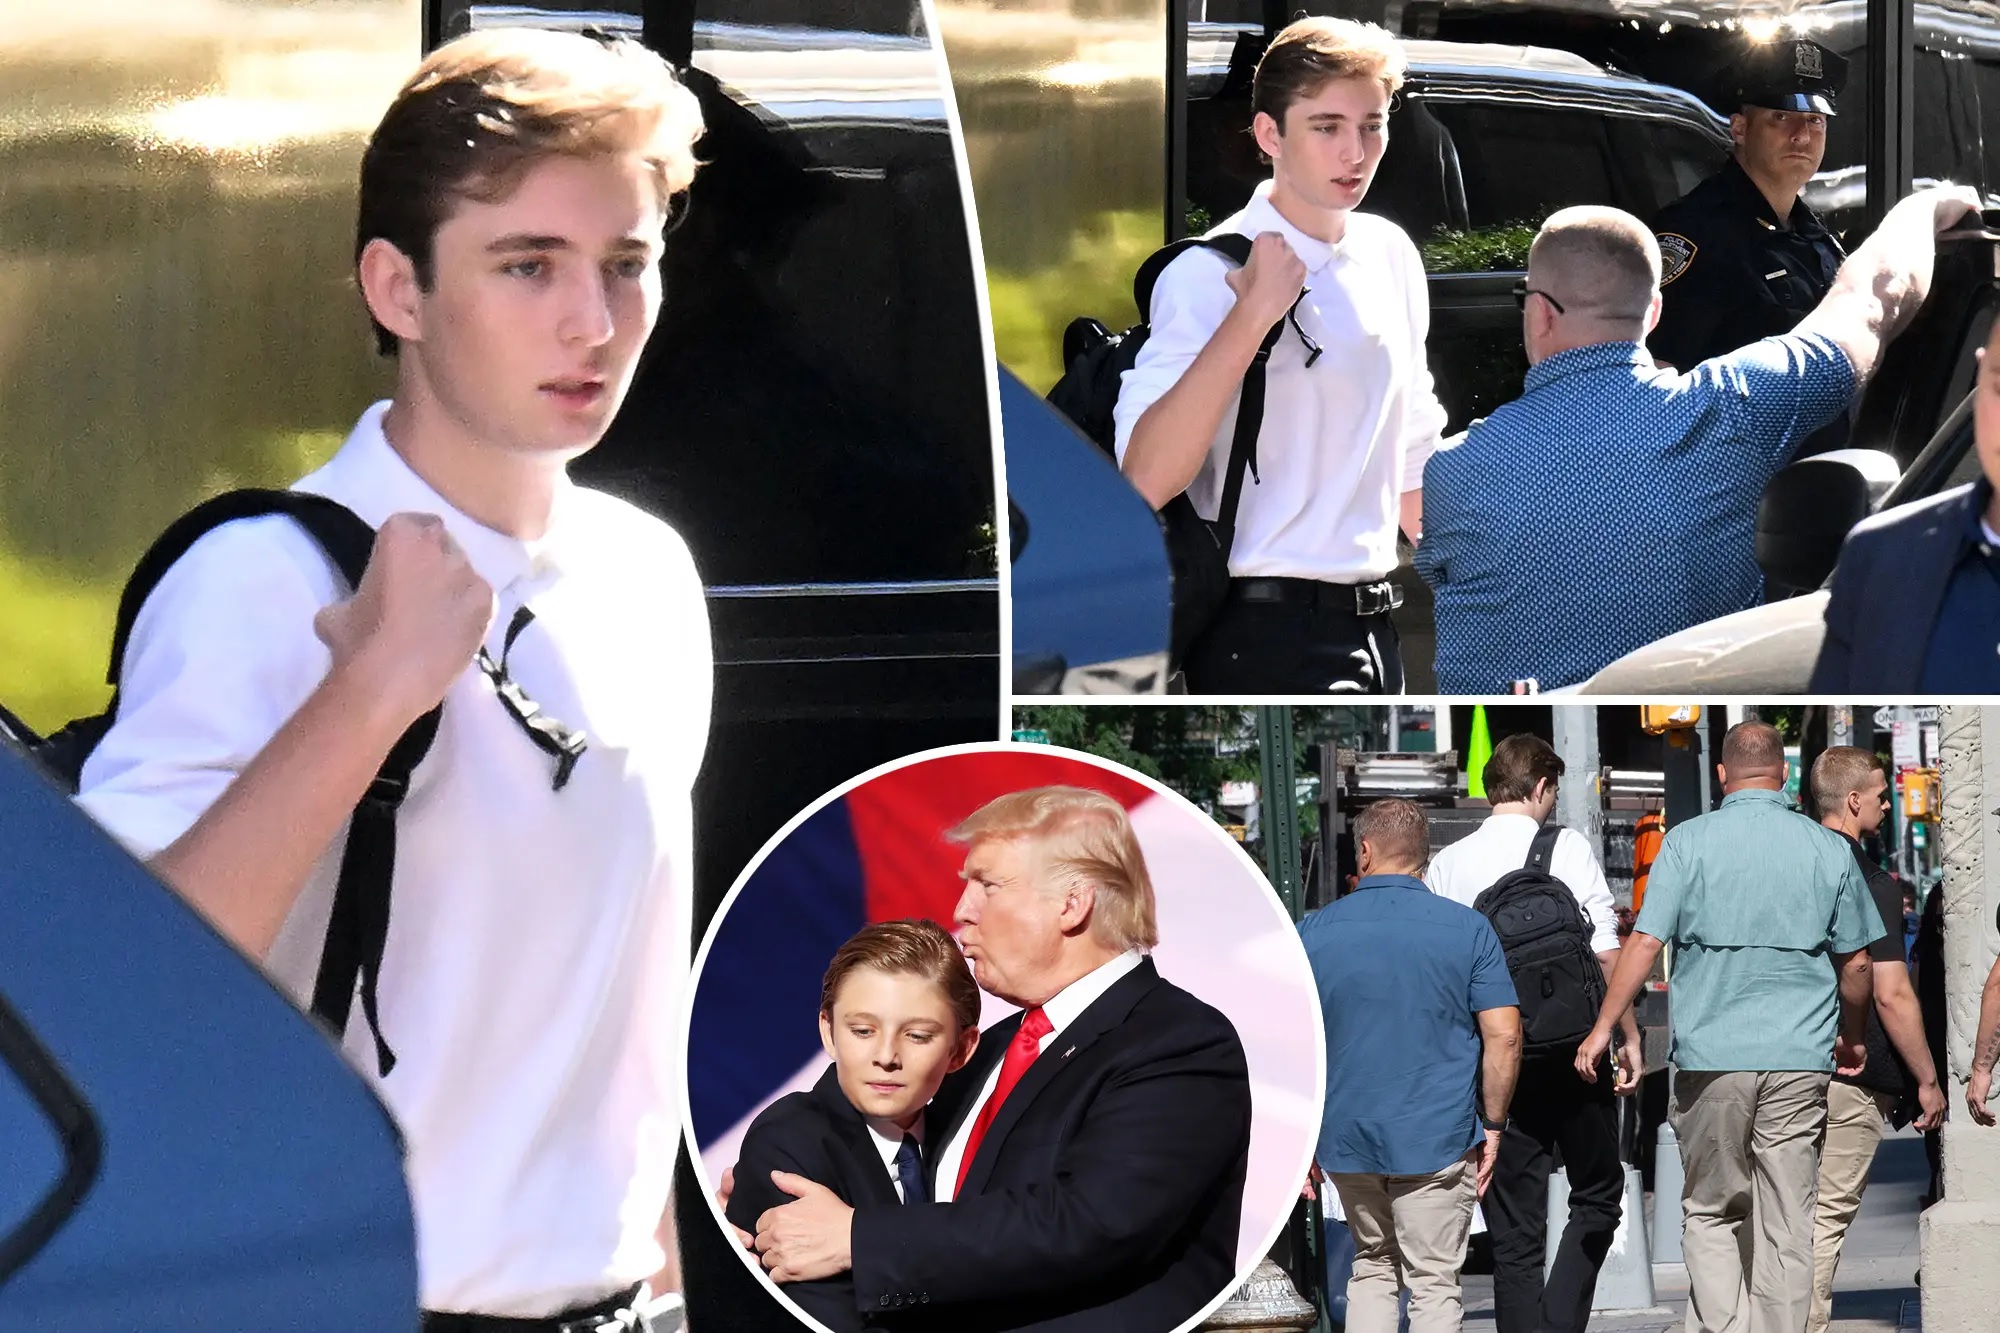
1345 430
1476 862
1401 975
1611 504
538 943
1756 898
1885 1070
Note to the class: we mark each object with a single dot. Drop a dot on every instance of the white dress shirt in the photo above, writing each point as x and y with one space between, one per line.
1061 1010
1471 866
887 1136
532 980
1341 440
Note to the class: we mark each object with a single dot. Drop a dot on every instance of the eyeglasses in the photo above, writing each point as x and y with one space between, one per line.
1522 291
563 744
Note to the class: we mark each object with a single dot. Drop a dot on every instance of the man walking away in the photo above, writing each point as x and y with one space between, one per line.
1423 1044
1852 795
1554 1111
1756 899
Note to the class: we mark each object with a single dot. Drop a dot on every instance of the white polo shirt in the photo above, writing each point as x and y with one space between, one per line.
538 941
1063 1009
1341 440
1470 866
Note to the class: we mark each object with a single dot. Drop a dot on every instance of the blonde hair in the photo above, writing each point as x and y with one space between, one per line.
1081 836
1313 52
484 108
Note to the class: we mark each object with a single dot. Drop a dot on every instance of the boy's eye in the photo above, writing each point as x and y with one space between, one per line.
861 1032
525 268
921 1038
632 266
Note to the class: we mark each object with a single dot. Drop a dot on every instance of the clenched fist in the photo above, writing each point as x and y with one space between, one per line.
417 619
1266 286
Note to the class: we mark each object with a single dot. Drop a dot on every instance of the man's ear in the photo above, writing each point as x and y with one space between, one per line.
1739 128
1653 308
1721 776
826 1032
389 285
1269 137
1079 900
968 1042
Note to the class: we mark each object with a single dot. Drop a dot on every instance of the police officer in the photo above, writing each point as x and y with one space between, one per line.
1742 257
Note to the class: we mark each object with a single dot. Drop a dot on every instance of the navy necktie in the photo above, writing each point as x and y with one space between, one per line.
910 1170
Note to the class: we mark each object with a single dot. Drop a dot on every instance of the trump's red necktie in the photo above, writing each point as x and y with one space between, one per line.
1021 1053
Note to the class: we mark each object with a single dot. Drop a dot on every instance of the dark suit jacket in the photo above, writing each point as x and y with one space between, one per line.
1887 590
818 1135
1106 1193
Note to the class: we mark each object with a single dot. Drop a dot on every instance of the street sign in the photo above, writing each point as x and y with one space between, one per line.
1031 735
1885 718
1903 744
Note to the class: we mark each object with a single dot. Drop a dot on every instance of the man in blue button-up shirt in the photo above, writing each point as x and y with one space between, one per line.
1423 1044
1615 503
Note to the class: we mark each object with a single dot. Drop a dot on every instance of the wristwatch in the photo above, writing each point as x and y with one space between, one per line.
1492 1125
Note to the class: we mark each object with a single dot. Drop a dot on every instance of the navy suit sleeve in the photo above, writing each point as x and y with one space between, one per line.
1834 669
791 1144
1150 1149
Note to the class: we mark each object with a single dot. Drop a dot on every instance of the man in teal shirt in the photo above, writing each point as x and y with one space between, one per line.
1771 922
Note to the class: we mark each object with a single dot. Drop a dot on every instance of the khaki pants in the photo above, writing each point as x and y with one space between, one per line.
1409 1231
1750 1152
1854 1123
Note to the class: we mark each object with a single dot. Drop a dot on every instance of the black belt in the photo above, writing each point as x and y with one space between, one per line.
614 1314
1361 599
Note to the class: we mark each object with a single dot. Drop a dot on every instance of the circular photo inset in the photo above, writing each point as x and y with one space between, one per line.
1003 1037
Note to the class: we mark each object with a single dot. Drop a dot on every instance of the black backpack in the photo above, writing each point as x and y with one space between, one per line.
360 924
1546 938
1095 361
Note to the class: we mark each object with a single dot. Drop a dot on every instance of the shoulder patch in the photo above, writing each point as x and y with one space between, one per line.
1676 253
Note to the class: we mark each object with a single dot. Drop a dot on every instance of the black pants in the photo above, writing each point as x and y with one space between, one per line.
1553 1111
1305 645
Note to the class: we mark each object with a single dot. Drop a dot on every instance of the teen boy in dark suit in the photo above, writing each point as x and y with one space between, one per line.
898 1012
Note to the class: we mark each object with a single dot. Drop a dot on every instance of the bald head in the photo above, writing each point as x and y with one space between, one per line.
1753 755
1600 262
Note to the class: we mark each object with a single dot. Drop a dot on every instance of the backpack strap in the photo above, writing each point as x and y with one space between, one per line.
1542 851
359 929
1250 408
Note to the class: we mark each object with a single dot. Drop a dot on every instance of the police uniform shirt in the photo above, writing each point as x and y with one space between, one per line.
533 974
1730 274
1342 438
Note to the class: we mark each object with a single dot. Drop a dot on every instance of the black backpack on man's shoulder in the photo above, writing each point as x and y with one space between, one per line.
360 923
1546 937
1094 364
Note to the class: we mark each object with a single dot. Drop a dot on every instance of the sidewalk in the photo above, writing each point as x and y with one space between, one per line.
1874 1292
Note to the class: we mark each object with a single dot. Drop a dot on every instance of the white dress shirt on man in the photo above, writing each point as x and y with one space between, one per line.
1471 865
1062 1010
537 951
1342 439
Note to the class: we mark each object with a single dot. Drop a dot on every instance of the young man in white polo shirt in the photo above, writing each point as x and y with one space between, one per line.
1350 415
512 210
1553 1109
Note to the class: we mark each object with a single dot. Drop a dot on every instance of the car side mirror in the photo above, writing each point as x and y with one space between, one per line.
1809 508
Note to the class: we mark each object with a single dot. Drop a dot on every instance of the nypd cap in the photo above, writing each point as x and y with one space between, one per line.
1792 75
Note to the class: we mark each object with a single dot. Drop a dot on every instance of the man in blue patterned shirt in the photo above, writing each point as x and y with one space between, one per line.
1615 503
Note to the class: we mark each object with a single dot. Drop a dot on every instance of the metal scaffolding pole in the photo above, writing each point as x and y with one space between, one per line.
1578 803
1279 792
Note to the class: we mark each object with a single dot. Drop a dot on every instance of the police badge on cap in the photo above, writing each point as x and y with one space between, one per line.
1792 75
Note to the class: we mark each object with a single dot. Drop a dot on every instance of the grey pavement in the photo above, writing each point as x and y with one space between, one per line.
1875 1290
